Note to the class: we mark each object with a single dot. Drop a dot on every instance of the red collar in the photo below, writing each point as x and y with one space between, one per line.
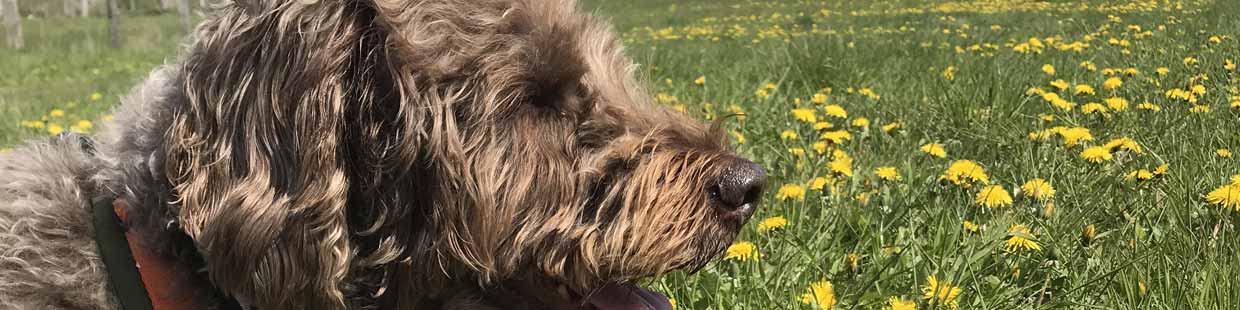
157 271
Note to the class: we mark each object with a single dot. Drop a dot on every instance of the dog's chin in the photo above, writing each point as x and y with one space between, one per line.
535 294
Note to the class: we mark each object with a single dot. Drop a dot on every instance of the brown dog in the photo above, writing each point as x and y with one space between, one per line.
382 154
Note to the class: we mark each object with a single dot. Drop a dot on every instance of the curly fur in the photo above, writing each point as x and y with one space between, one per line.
377 154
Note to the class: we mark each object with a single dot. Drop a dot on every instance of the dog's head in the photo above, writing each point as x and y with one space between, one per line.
440 152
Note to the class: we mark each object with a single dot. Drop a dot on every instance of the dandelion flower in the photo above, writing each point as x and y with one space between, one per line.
1224 153
788 135
942 294
1096 154
796 151
994 196
970 226
837 137
835 111
805 115
1200 109
772 223
861 122
740 137
1075 135
1161 169
96 96
1019 238
820 293
1038 189
819 147
1060 84
897 303
1083 89
887 174
891 126
841 163
934 149
1048 69
791 191
55 129
1162 70
56 113
1139 175
818 99
743 251
700 81
817 183
1227 196
1124 144
1112 83
965 172
822 125
1116 103
949 73
1091 108
1188 61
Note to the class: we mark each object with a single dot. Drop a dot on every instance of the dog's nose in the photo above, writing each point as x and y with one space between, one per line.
740 188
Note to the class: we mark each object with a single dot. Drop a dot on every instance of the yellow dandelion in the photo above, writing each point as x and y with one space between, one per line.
1229 65
841 163
818 183
1139 175
1200 109
1226 196
1112 83
791 191
762 93
822 125
887 173
970 226
1083 89
1093 107
1188 61
1048 69
1075 135
1161 169
1096 154
788 134
1116 103
1162 70
796 151
772 223
819 147
1124 144
994 196
941 294
55 129
1224 153
897 303
1149 107
965 172
819 293
1038 188
818 98
1020 238
861 122
96 96
700 81
835 110
891 126
934 149
837 137
1060 84
807 116
56 113
738 111
743 251
949 73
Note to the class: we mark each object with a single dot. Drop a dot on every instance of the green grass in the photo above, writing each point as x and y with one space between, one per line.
1159 234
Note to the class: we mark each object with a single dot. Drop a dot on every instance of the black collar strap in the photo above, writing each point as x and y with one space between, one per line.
123 276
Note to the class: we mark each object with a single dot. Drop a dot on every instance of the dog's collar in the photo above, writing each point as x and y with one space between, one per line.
138 277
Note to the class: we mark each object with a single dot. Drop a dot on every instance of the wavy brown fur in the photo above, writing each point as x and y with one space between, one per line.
377 154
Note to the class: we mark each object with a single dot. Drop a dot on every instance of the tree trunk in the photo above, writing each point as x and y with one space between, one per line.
183 10
114 24
11 18
85 8
167 5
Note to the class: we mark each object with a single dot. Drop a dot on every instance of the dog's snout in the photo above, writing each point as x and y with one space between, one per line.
739 188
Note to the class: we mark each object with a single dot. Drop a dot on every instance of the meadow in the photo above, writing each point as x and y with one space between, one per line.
986 154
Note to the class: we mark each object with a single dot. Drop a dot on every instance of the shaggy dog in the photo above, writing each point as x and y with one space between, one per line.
381 154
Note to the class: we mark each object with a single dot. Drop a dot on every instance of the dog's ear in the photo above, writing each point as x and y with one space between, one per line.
255 153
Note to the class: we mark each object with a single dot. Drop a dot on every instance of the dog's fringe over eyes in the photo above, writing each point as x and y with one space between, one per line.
412 154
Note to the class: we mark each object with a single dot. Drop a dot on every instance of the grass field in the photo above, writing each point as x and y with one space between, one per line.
989 154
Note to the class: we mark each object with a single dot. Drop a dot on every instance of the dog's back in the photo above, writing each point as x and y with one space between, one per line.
48 257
